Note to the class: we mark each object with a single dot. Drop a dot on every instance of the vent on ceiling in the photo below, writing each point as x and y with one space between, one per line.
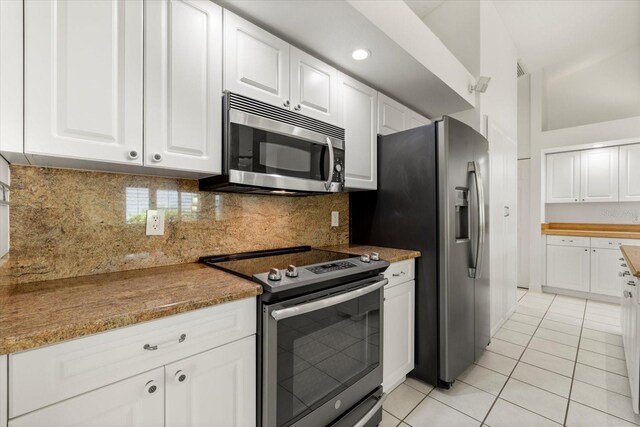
520 70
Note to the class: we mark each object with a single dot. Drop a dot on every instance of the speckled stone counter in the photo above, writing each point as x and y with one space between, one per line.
387 254
632 255
35 314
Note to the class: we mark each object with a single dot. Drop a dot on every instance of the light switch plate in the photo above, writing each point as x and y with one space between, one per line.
155 222
335 219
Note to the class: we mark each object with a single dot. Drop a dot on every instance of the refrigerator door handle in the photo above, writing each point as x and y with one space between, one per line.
476 271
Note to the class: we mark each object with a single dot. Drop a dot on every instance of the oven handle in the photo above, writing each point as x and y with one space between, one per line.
327 185
297 310
364 420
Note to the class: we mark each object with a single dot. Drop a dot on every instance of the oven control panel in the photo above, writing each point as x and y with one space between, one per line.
334 266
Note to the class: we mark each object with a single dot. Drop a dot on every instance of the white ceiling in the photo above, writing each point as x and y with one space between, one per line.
549 32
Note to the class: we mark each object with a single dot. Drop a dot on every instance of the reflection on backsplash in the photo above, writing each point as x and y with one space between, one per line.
598 213
68 223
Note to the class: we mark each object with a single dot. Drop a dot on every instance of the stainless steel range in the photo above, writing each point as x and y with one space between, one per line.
319 335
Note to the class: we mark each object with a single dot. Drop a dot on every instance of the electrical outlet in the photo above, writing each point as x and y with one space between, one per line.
155 222
335 219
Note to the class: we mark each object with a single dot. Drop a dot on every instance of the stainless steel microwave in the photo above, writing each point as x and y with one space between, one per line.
270 150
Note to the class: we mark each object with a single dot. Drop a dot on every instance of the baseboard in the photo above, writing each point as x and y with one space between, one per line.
578 294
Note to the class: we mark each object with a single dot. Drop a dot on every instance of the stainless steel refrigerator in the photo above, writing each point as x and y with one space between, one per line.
433 196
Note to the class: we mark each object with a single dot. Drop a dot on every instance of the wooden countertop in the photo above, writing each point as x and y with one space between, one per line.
387 254
619 231
632 255
39 313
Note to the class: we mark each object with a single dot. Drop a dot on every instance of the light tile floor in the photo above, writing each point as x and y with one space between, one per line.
557 361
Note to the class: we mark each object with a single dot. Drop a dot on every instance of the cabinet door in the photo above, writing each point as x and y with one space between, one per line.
415 120
392 116
134 402
599 175
314 87
215 388
83 79
563 177
630 173
568 267
256 63
183 85
605 266
398 354
359 118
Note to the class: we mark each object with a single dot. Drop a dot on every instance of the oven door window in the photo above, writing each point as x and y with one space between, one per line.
322 353
259 151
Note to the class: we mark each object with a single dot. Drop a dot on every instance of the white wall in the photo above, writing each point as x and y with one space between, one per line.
606 90
595 213
524 117
540 140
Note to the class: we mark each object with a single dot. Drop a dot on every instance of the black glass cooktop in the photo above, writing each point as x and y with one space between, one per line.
249 264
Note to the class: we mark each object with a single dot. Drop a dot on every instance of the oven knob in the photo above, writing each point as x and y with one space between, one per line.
375 256
365 258
274 274
292 271
338 167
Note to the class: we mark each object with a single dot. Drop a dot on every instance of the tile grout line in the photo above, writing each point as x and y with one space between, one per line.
484 420
575 363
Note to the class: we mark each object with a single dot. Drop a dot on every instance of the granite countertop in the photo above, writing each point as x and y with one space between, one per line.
40 313
616 231
387 254
632 255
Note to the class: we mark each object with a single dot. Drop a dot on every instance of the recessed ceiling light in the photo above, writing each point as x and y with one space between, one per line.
360 54
598 145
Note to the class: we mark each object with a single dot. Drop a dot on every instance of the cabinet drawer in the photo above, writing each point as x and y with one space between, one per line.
47 375
568 241
400 272
610 243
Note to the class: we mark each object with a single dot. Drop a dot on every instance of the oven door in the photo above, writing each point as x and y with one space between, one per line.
322 354
267 153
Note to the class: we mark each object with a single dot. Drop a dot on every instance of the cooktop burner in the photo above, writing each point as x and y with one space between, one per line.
283 269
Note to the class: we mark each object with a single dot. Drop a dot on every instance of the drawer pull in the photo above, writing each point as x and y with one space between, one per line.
151 387
623 265
402 273
155 347
623 274
631 283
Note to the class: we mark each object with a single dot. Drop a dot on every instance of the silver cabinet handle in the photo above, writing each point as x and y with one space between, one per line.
286 103
133 154
157 157
371 412
402 273
155 347
623 265
297 107
627 294
150 387
631 283
180 376
327 185
476 270
297 310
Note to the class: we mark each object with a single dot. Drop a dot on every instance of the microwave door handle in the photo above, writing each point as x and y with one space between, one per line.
327 185
297 310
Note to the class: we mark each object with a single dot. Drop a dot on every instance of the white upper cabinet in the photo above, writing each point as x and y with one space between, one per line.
314 87
67 113
183 85
214 388
394 117
630 173
256 63
599 175
563 177
359 118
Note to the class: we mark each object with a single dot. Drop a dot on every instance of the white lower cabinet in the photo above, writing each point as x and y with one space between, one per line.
191 369
399 321
215 388
605 266
136 402
568 267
